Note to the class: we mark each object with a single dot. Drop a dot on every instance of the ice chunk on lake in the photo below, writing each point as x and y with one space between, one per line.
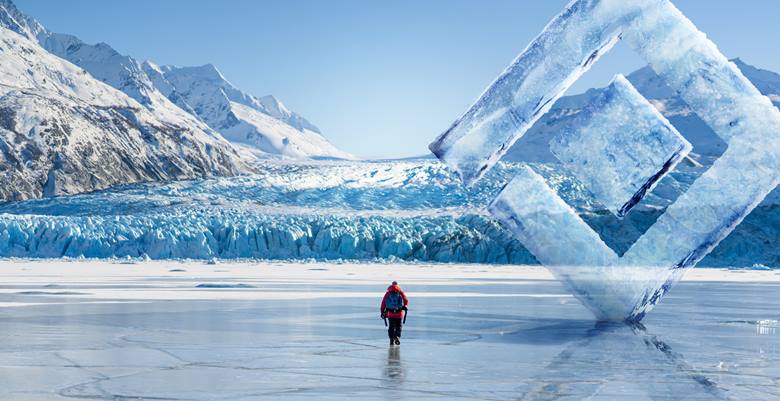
553 232
620 146
718 201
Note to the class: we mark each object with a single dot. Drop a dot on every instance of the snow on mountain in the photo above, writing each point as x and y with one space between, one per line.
256 124
277 132
534 146
197 97
105 64
63 132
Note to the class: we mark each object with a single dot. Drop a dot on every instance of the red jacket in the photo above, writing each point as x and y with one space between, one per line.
394 288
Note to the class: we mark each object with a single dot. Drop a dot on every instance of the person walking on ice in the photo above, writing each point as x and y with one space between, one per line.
393 308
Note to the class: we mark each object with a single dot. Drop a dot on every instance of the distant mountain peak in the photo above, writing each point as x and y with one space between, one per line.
66 132
275 107
12 18
263 124
182 94
206 71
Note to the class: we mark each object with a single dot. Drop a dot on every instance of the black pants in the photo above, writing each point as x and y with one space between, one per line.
394 327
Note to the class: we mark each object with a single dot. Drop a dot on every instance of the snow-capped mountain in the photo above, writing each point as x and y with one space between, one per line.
263 126
534 146
64 132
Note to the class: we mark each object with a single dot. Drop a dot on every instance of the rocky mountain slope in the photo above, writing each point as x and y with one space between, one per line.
197 97
64 132
263 126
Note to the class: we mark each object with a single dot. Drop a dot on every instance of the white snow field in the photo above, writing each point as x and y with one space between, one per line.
174 330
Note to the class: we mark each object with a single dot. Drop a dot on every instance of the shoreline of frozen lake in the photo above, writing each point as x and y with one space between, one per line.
103 329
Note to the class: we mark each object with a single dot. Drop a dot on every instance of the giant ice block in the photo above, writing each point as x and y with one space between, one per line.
625 287
620 146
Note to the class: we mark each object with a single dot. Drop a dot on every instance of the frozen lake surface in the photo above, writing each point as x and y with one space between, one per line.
273 331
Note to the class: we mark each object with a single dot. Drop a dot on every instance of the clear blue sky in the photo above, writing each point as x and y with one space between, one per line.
381 79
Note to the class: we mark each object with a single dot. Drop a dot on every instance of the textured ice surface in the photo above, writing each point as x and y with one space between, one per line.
620 146
474 333
629 286
538 217
204 234
410 211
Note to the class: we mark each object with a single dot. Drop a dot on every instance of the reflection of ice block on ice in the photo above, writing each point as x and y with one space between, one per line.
565 50
620 147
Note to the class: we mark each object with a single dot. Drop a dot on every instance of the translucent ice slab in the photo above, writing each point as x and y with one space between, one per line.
565 50
620 147
624 287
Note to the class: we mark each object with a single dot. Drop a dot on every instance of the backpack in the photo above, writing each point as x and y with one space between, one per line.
394 302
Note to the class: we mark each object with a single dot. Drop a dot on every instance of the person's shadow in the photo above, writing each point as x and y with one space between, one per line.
621 359
394 369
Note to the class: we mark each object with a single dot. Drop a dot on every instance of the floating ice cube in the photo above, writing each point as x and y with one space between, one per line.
620 146
553 232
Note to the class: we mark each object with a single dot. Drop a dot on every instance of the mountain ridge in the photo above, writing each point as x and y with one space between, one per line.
63 132
250 123
133 78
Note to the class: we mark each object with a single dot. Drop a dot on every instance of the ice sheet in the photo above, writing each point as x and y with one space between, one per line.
334 348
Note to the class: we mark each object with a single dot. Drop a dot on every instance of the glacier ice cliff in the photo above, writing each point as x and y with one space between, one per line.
411 210
208 234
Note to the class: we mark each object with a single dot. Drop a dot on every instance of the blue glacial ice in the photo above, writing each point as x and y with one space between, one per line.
204 234
322 210
410 211
620 146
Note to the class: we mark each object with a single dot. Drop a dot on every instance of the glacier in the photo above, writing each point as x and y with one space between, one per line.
414 210
210 234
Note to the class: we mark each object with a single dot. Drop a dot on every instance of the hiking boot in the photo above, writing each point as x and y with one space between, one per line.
398 341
